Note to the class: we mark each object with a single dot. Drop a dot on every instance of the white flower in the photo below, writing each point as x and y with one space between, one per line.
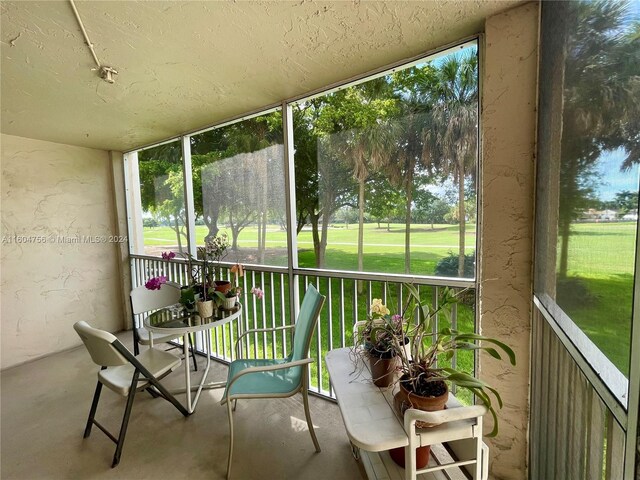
378 308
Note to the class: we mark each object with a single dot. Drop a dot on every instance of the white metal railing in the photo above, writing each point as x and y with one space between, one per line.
348 296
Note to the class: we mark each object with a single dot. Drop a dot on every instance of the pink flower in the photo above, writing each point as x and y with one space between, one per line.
168 255
257 292
155 283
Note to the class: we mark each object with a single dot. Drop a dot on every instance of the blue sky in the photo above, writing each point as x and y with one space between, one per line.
612 179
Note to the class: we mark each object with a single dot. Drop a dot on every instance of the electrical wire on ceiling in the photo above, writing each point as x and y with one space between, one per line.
106 73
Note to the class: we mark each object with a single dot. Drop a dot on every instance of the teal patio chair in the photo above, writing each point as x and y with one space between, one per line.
279 377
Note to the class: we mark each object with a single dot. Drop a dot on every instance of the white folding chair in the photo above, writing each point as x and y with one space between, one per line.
125 374
144 300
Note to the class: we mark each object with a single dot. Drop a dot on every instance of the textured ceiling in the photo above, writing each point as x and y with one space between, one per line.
183 65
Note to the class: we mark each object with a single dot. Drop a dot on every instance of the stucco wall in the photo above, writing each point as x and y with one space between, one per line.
53 194
507 207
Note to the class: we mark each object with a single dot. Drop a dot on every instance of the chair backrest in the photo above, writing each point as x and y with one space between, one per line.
145 300
306 322
100 345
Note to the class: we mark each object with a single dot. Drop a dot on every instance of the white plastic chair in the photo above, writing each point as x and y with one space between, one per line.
125 375
144 300
277 377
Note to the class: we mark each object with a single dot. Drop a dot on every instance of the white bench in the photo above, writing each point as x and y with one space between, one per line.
373 427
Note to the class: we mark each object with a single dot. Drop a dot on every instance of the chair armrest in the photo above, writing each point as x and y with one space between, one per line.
412 415
259 330
356 331
268 368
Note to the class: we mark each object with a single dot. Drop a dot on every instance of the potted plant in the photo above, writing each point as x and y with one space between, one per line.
214 250
188 297
378 335
229 298
420 375
424 368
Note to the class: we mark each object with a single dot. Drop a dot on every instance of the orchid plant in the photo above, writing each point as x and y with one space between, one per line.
237 271
214 250
378 332
155 283
419 364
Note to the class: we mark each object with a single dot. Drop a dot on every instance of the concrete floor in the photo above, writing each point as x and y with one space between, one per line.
45 404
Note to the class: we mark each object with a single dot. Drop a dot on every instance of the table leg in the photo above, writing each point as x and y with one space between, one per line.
192 401
202 384
187 376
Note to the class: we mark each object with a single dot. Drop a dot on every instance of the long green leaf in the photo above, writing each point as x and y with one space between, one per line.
502 345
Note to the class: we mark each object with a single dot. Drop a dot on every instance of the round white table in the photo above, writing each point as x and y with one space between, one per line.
170 320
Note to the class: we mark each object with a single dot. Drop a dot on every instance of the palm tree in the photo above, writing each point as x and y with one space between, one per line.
370 151
360 132
600 103
451 138
415 87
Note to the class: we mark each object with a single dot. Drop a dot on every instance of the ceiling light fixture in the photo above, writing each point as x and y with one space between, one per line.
105 72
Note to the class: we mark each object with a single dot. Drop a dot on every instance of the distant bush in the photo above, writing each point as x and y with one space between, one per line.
448 266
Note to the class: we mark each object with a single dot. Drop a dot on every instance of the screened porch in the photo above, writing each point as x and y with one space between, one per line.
366 148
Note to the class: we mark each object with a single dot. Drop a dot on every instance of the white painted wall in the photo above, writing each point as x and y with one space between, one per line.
54 193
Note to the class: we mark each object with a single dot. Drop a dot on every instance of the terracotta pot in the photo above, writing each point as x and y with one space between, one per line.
382 370
205 309
422 456
222 286
405 399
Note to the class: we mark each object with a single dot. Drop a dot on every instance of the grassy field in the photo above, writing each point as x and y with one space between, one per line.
598 295
383 249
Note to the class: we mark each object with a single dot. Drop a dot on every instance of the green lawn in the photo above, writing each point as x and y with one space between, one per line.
598 293
444 236
383 250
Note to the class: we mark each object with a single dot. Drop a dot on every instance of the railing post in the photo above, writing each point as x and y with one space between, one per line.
290 196
188 195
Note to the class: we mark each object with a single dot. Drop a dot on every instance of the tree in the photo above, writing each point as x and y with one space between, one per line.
162 188
207 185
414 87
626 201
368 145
233 168
429 208
323 181
600 103
335 191
384 202
451 140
